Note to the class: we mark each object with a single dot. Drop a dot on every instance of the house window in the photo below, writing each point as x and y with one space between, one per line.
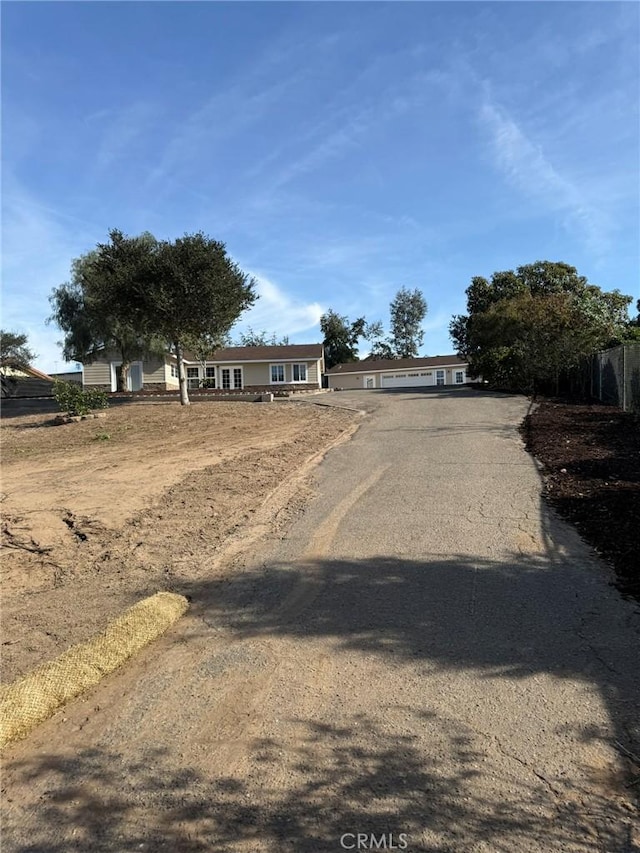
277 373
174 371
439 377
299 372
459 377
210 377
231 378
193 377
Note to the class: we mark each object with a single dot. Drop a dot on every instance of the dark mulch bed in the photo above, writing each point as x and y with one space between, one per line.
591 457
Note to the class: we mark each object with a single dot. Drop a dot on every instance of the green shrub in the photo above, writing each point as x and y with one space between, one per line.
71 398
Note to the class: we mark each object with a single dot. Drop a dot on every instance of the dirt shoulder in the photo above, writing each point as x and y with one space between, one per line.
591 459
99 513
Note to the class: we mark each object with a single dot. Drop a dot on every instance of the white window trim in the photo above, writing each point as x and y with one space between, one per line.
455 377
282 381
193 382
114 369
300 364
209 378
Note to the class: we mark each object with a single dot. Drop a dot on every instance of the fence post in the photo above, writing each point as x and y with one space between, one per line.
599 377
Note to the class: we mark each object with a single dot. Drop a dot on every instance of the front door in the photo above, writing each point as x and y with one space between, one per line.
134 376
231 378
134 380
369 382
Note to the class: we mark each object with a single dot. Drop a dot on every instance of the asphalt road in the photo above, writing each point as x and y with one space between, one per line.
426 661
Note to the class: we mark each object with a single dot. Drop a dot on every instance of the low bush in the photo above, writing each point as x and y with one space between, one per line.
74 400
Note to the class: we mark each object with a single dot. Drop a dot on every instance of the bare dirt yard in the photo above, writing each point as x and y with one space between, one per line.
100 513
591 459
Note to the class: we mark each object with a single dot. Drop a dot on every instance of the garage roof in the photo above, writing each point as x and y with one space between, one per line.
376 366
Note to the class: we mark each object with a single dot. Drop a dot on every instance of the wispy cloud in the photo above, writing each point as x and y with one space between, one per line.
270 81
217 119
123 130
38 246
348 125
525 165
278 312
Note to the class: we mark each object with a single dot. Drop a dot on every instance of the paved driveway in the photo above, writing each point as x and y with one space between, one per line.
426 660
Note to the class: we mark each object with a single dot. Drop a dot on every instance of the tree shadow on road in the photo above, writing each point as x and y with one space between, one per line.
356 779
529 616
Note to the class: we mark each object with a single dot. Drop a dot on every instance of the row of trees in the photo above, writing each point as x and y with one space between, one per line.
342 336
139 295
525 327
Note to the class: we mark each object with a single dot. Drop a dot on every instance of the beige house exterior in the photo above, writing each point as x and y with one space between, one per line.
439 370
294 367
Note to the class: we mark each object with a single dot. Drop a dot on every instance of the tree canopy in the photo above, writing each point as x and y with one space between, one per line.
14 350
262 339
176 292
340 338
379 346
408 310
524 327
84 311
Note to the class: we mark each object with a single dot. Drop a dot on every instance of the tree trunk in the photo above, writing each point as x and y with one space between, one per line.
182 378
123 375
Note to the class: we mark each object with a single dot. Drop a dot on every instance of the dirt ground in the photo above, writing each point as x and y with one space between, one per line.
100 513
591 458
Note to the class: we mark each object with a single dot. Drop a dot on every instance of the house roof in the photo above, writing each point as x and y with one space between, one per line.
26 369
373 366
288 352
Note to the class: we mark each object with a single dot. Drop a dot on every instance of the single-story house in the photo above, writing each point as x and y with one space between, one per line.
294 367
399 373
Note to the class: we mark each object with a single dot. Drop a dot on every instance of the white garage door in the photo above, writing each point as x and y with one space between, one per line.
407 379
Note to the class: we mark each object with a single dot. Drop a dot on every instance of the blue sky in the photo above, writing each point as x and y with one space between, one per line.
340 150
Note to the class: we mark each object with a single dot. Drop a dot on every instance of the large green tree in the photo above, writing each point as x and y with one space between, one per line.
408 310
83 309
524 327
340 338
179 291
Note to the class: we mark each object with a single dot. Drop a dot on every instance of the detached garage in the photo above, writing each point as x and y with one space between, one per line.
399 373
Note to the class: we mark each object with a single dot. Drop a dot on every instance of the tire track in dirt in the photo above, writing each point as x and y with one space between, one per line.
235 722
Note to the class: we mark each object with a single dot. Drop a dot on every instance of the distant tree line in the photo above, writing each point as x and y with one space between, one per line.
342 336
